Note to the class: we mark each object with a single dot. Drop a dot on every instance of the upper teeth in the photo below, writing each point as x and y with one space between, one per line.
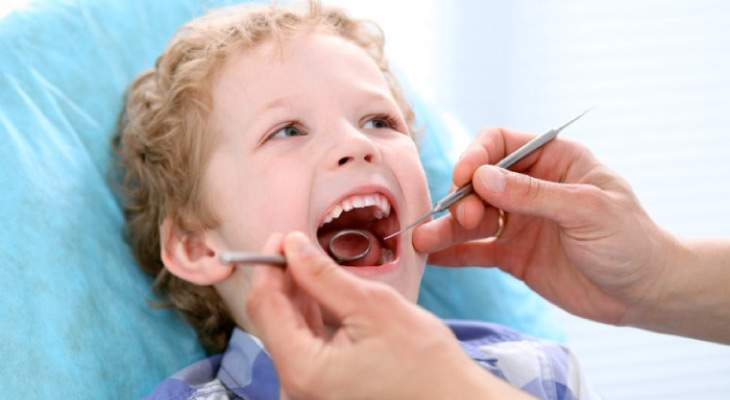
360 201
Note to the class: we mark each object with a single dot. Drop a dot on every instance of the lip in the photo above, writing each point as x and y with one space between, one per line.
368 271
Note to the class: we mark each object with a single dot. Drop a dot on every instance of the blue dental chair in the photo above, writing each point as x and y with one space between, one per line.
76 320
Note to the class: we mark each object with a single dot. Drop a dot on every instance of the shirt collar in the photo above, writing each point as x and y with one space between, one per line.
473 335
246 369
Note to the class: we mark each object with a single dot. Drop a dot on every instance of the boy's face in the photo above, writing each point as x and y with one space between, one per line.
307 128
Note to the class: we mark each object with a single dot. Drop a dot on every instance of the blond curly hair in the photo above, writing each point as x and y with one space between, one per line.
164 139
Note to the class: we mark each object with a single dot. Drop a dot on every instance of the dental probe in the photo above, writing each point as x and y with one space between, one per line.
250 258
529 147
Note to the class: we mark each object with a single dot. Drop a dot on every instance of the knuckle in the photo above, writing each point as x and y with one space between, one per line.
321 265
595 199
581 151
593 203
477 152
531 188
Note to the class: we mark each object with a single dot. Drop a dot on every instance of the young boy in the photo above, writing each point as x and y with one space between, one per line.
265 119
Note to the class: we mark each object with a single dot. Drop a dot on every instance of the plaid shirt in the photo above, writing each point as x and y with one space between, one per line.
544 369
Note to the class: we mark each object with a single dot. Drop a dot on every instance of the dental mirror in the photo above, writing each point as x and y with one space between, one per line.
349 245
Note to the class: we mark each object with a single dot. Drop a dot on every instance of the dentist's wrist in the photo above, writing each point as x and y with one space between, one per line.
690 295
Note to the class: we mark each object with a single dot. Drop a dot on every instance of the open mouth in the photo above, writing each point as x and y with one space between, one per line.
370 214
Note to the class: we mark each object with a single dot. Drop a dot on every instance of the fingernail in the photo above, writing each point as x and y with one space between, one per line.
467 150
492 177
463 153
302 244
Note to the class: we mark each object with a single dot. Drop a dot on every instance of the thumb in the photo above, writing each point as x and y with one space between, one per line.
319 276
523 194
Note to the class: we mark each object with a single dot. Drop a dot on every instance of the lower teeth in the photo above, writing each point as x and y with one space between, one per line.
386 256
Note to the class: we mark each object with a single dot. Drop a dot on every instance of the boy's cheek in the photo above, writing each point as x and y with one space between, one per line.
410 160
420 183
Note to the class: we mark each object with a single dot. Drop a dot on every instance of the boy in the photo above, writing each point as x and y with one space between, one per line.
265 119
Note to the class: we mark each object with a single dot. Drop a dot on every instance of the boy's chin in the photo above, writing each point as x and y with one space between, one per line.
402 274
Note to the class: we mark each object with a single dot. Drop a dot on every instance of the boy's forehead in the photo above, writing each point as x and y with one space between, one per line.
277 68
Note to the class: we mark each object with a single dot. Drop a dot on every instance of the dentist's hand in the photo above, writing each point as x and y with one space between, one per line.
575 231
385 347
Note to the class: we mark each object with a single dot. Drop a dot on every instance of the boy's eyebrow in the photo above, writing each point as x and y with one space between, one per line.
276 103
376 95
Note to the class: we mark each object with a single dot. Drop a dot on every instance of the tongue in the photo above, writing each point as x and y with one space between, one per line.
351 246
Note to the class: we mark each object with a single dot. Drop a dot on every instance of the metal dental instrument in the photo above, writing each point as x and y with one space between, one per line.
344 233
251 258
529 147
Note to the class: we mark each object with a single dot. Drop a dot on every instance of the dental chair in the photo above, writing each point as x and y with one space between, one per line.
76 319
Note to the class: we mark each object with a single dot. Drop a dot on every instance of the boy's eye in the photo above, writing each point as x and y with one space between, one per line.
377 123
287 131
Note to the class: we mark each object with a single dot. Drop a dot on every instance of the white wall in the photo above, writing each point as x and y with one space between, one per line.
659 72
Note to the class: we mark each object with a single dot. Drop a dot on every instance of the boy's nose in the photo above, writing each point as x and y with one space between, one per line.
353 148
348 159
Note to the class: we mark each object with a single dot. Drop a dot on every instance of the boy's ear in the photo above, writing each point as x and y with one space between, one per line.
193 258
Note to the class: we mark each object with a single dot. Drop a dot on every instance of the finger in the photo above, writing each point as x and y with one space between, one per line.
305 305
311 312
446 231
277 311
490 146
331 286
469 211
284 330
523 194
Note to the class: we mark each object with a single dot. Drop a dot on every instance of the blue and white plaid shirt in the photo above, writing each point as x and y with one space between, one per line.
544 369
